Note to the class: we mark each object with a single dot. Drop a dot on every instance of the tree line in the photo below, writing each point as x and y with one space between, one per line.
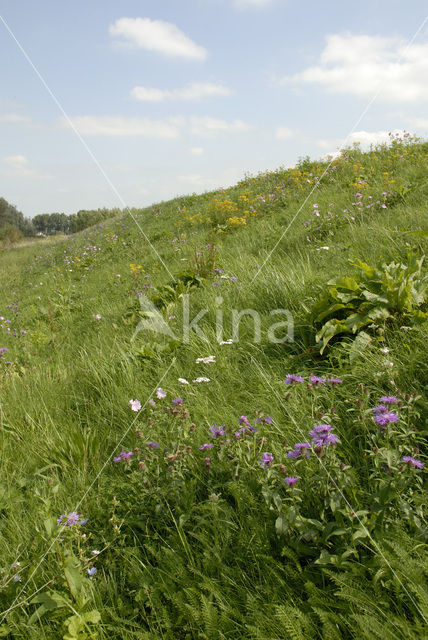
13 224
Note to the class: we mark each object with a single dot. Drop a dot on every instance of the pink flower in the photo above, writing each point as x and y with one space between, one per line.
135 405
160 393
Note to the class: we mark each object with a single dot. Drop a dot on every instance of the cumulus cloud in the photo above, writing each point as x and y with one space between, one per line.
284 133
361 65
365 138
194 91
14 118
157 35
171 127
19 166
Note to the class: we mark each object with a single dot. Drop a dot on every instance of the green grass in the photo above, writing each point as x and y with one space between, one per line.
220 548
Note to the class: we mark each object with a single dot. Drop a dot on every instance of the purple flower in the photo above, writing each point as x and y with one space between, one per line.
71 519
160 393
92 571
152 445
233 278
123 455
266 461
390 399
321 436
299 450
3 350
316 380
177 401
414 461
290 480
290 378
383 416
217 431
244 420
206 445
334 381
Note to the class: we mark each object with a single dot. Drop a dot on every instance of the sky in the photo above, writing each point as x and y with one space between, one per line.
113 104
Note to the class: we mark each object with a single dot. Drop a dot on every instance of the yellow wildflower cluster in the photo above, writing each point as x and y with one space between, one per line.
136 268
236 222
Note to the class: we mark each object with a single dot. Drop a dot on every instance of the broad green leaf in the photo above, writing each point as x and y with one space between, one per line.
345 283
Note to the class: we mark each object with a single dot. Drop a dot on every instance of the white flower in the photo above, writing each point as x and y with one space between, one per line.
160 393
385 350
230 341
183 381
206 360
95 552
135 405
325 248
201 380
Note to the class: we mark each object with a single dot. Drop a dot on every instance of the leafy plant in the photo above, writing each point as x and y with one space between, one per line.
378 295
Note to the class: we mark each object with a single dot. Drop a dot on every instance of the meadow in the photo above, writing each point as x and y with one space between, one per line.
164 484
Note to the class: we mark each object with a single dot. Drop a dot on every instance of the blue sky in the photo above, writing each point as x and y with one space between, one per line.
175 97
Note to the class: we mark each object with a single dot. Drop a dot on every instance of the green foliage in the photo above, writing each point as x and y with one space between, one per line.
390 291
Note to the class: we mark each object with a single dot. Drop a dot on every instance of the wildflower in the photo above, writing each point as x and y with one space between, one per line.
244 420
266 461
92 571
95 552
290 378
206 360
383 416
160 393
385 350
299 450
290 480
316 380
16 578
135 405
334 381
206 445
123 455
321 436
217 431
389 399
202 379
177 401
97 316
71 519
3 350
152 445
151 402
216 284
265 419
230 341
414 461
183 381
234 278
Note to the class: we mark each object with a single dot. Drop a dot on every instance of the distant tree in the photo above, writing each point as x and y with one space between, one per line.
10 216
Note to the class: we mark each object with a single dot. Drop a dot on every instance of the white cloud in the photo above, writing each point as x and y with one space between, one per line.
365 138
207 126
194 91
284 133
157 35
248 4
361 65
196 151
122 126
171 127
19 166
17 163
14 118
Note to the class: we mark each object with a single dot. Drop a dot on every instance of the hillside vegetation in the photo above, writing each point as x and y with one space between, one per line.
160 483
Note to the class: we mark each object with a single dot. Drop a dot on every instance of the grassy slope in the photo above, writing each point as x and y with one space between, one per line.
191 550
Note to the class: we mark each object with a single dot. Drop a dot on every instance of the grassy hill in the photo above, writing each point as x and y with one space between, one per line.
196 515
